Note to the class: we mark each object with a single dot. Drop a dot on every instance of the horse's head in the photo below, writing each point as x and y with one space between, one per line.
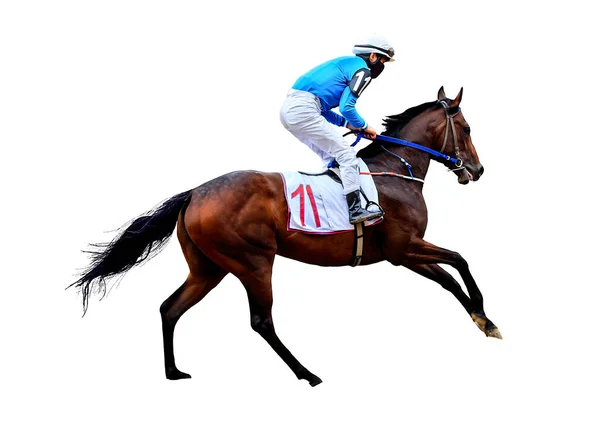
439 126
454 137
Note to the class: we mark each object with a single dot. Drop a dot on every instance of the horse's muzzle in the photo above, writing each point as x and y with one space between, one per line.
470 173
478 171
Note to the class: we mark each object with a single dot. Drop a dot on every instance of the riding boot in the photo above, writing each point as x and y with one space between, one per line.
357 212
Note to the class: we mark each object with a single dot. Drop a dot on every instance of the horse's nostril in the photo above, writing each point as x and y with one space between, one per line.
480 171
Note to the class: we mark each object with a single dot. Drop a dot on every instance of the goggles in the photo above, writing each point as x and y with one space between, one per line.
389 52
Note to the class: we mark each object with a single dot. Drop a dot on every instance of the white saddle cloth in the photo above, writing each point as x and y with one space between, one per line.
316 203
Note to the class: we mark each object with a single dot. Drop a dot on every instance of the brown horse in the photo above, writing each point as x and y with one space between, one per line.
237 223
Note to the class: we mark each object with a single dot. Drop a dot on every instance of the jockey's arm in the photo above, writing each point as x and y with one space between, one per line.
334 118
354 120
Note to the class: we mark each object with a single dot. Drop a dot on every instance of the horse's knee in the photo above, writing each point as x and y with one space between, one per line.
461 263
261 324
168 313
164 308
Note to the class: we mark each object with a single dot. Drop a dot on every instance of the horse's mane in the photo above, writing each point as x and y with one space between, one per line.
396 122
393 124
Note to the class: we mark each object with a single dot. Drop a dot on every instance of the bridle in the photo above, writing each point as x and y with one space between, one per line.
450 124
458 162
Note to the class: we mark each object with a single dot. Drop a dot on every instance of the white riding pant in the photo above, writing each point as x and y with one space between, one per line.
301 115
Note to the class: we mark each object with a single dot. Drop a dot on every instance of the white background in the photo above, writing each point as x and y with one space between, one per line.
107 108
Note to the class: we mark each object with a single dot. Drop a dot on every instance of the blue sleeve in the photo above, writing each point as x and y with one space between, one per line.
348 109
334 118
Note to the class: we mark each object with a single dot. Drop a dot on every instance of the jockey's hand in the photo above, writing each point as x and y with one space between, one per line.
369 132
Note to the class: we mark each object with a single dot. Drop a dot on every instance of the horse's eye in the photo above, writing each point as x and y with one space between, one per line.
467 130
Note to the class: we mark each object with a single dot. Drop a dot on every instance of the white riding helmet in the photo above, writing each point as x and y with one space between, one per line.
375 44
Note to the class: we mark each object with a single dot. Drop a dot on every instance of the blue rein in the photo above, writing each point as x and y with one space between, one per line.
397 141
360 135
402 142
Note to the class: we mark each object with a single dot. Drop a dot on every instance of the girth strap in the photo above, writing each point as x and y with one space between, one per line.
358 244
357 250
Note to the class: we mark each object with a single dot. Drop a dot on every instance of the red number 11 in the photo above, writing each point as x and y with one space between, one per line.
313 204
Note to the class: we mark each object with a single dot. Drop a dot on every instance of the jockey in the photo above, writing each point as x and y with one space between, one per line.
307 112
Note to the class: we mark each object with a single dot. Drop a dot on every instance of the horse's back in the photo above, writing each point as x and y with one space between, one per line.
246 212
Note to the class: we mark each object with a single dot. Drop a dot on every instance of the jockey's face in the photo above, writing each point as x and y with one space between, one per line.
374 57
377 64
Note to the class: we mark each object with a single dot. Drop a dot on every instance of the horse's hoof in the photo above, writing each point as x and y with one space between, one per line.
494 332
176 374
314 381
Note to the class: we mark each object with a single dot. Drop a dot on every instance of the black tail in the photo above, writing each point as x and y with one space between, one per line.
143 239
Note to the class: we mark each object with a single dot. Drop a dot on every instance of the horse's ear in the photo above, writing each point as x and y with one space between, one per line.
441 93
455 102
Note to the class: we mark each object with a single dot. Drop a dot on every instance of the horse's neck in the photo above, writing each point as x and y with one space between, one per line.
418 160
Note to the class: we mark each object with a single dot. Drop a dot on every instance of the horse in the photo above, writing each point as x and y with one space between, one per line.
237 223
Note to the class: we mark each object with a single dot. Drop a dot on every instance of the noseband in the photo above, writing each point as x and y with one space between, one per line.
450 124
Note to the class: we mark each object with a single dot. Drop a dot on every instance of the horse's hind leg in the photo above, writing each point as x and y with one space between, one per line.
422 253
254 269
204 276
260 298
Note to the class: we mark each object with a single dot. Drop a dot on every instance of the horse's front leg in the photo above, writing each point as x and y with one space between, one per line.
443 278
422 257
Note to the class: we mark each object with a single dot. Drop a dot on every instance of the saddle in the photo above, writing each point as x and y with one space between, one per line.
317 205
